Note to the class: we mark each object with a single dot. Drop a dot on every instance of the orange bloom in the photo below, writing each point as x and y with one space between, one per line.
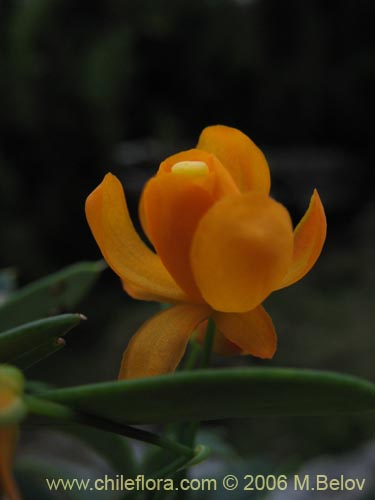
11 411
222 245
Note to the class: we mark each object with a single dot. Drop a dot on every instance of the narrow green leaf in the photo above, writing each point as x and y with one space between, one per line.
15 343
217 394
39 353
63 413
51 295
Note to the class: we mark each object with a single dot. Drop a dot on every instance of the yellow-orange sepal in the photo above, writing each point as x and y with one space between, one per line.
141 270
160 343
309 238
253 331
240 156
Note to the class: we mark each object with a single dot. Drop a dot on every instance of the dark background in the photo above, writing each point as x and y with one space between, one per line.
95 86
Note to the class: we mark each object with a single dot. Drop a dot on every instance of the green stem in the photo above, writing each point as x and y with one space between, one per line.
171 468
62 413
201 453
208 343
188 433
195 349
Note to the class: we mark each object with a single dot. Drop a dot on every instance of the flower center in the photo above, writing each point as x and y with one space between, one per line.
190 168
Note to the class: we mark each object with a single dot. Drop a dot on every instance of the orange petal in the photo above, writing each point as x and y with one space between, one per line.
173 204
239 155
8 439
173 207
142 272
222 183
253 331
241 250
158 346
309 238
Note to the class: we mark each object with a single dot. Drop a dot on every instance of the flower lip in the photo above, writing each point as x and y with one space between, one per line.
172 205
190 168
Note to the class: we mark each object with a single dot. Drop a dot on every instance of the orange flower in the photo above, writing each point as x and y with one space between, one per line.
12 409
222 246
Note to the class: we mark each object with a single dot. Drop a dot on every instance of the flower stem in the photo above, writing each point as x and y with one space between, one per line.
208 343
187 432
171 468
195 349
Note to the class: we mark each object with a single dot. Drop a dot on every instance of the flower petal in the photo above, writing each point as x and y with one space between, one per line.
142 272
241 251
240 156
253 331
172 205
158 346
309 238
173 209
8 439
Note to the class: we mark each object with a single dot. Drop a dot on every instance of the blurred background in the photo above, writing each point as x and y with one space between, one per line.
91 87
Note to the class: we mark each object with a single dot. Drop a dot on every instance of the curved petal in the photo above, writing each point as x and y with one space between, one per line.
158 346
241 251
142 272
8 438
253 331
240 156
173 208
309 238
172 205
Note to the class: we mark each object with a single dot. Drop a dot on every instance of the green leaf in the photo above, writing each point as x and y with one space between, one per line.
217 394
51 295
39 353
32 338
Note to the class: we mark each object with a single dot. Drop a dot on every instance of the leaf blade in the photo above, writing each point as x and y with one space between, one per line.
55 293
217 394
18 341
